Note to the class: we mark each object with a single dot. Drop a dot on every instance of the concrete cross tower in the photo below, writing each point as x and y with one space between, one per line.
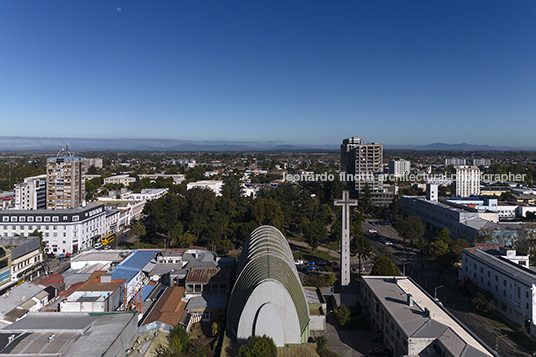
345 203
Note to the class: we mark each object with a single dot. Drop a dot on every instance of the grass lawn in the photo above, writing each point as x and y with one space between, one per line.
522 340
307 254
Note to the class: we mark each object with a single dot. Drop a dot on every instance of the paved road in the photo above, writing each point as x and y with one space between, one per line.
424 273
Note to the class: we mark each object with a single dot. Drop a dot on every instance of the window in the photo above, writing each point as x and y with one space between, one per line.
5 219
489 274
496 288
496 278
65 218
13 219
47 219
39 219
22 219
55 219
30 219
504 282
481 269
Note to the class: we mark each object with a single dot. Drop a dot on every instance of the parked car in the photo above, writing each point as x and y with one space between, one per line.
389 243
298 262
310 267
438 302
379 351
372 231
98 246
310 263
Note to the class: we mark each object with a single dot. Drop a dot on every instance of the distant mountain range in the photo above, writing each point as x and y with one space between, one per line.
20 143
460 147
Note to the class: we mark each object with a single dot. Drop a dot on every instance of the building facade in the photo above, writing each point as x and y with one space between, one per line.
362 165
65 231
412 324
32 193
66 187
466 181
513 285
399 168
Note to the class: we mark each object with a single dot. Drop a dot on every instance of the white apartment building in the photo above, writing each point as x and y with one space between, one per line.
125 180
455 162
501 272
412 323
97 162
65 231
465 181
481 162
32 193
147 194
213 185
399 168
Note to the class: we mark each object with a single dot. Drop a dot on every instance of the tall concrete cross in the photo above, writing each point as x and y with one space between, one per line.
345 203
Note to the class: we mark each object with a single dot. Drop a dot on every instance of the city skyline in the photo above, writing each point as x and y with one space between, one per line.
397 73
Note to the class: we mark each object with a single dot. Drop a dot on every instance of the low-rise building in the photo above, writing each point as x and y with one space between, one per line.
59 334
124 180
501 272
26 255
100 293
213 185
412 323
65 231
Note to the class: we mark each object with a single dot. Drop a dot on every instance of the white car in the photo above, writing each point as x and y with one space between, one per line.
98 246
298 262
372 231
389 243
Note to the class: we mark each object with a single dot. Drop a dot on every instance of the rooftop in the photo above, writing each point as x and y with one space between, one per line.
413 320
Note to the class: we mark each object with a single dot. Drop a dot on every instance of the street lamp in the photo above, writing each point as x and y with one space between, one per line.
435 291
497 342
521 306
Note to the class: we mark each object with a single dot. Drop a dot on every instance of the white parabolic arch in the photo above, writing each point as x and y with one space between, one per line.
271 311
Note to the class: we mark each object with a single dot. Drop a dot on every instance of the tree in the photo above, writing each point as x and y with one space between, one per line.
178 343
268 211
43 244
443 235
362 248
138 229
315 232
410 228
343 313
258 346
385 267
437 248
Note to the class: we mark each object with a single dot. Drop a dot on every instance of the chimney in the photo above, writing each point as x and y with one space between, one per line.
426 312
410 299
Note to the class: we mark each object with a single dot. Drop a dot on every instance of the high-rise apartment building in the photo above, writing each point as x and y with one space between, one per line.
399 168
362 165
455 162
66 186
465 181
32 193
482 162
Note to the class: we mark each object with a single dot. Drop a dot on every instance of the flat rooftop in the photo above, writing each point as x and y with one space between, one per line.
413 320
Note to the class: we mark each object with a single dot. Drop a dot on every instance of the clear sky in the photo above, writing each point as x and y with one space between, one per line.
295 72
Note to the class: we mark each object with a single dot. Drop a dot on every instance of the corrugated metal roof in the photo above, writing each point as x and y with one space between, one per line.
124 273
137 260
29 245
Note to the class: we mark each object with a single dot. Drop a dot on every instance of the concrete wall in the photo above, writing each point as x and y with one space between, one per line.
270 310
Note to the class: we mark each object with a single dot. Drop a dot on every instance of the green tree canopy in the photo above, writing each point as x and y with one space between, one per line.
315 232
385 267
410 228
258 346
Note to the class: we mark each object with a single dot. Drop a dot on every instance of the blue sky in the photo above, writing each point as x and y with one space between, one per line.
297 72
